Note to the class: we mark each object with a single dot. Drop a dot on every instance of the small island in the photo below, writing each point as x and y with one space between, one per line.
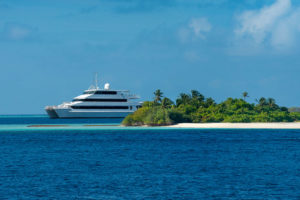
196 108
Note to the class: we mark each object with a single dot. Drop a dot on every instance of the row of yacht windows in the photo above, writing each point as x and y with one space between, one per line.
101 100
101 92
100 107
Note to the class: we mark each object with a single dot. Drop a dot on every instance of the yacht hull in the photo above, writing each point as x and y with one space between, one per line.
51 112
97 103
71 113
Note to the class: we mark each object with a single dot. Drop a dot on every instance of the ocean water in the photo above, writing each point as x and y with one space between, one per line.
44 119
146 163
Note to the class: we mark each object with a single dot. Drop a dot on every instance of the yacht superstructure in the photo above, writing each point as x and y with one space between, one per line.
97 103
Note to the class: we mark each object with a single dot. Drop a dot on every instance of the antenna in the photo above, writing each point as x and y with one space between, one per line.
96 81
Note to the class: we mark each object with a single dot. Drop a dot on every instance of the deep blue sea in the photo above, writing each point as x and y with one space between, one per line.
145 163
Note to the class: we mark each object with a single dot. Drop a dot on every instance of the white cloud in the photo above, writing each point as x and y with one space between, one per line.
285 33
275 25
14 31
200 26
196 28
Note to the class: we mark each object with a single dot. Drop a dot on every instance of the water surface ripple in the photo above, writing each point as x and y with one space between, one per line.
150 164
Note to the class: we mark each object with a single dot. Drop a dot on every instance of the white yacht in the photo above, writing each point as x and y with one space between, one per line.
97 103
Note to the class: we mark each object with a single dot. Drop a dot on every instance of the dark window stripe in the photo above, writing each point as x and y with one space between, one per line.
102 100
105 92
99 107
101 92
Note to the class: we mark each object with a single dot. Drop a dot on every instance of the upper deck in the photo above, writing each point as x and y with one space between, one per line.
106 94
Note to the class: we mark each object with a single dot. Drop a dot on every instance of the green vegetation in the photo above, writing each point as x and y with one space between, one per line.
196 108
294 109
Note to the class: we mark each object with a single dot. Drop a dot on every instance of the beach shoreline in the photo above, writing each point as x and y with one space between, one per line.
220 125
269 125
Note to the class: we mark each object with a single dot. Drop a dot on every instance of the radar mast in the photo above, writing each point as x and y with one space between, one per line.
96 81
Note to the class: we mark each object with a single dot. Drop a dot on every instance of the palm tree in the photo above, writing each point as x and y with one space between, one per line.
195 94
271 102
166 103
201 98
209 101
157 96
182 99
262 101
185 98
245 95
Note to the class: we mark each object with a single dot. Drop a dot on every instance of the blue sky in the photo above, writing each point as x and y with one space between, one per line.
50 50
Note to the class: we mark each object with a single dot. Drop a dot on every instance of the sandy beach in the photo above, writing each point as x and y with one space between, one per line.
291 125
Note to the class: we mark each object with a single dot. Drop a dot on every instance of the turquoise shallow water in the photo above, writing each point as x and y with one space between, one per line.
29 122
44 119
74 127
141 163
